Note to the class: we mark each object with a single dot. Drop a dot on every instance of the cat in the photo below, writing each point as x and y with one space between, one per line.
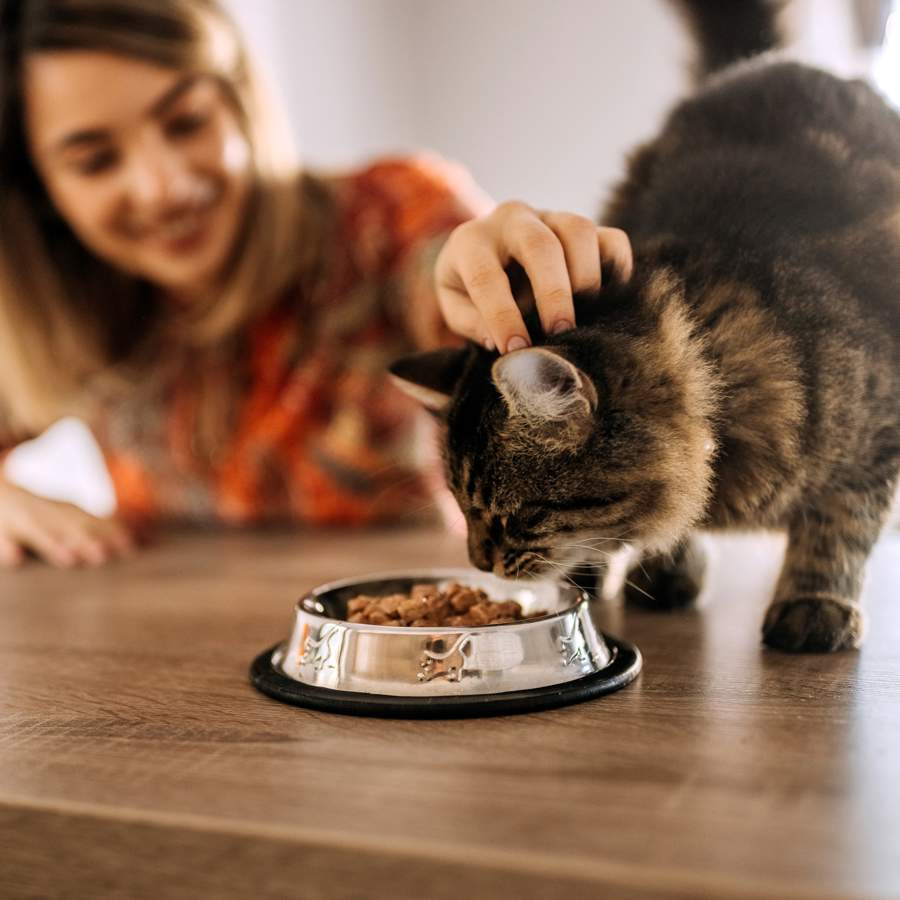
748 374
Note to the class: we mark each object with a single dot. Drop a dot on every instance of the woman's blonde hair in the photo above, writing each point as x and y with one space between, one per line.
68 318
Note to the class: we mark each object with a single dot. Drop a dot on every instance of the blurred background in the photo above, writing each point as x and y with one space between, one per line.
540 100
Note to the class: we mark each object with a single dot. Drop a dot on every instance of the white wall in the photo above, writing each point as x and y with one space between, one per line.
338 66
539 99
543 99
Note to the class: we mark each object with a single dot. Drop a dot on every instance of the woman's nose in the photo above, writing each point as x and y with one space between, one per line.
157 179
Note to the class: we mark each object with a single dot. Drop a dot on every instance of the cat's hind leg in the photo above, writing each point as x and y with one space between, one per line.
816 606
668 581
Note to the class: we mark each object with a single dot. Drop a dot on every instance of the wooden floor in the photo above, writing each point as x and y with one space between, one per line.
137 761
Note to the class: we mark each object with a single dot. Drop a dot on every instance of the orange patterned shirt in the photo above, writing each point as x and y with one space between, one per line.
319 434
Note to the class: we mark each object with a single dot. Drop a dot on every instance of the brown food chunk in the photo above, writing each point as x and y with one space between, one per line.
410 609
390 605
457 605
358 604
463 600
507 609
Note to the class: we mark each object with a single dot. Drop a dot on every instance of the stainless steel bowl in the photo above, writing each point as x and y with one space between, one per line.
328 657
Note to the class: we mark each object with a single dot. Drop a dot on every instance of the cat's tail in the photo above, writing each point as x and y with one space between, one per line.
728 31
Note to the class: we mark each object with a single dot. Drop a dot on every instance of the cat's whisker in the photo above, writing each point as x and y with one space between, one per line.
581 549
452 526
570 580
639 590
388 468
589 541
588 548
425 506
640 563
564 570
566 567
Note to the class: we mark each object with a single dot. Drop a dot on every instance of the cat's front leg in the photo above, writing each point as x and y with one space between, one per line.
816 606
668 581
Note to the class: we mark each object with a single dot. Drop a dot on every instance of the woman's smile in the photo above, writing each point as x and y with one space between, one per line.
184 231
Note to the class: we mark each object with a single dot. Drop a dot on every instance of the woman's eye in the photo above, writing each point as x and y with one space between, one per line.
186 124
97 163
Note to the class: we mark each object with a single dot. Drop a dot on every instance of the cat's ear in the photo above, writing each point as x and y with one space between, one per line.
545 388
430 377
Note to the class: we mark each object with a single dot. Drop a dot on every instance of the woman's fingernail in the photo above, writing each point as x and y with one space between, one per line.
516 343
562 325
489 345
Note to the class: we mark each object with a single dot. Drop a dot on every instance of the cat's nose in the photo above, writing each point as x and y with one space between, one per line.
482 556
482 551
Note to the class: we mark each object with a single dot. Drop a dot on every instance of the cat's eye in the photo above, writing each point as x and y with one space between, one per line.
517 527
531 515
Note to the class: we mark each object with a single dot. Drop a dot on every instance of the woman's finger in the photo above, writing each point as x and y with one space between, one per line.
540 253
115 537
486 285
91 539
66 533
615 248
11 553
461 316
87 548
578 237
47 545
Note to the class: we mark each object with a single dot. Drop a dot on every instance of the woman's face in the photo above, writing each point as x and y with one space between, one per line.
148 165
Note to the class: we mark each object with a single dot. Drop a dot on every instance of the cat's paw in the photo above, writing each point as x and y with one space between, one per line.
666 583
813 625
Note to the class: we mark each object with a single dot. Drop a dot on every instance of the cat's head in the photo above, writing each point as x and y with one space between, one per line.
559 453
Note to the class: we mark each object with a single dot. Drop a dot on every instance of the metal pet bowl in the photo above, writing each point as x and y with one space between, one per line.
379 670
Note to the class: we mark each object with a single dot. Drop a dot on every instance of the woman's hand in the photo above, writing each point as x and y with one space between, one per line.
560 252
61 533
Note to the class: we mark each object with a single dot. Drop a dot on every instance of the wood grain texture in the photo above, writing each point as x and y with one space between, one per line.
137 761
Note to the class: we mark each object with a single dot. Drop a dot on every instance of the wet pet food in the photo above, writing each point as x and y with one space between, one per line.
426 605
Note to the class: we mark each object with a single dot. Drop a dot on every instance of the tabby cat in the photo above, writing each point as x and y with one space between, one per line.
747 376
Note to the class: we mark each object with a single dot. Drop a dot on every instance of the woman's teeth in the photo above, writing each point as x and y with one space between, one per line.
182 228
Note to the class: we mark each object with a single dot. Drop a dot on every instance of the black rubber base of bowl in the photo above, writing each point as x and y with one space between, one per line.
624 668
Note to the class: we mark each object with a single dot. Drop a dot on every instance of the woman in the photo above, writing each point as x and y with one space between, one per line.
220 318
